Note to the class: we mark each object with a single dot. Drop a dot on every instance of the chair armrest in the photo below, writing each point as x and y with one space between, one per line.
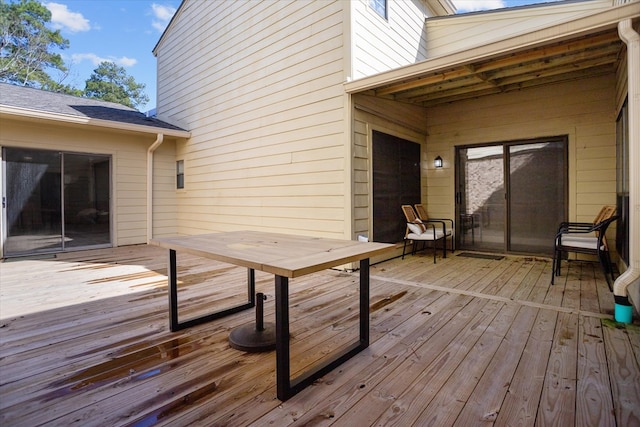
577 224
566 225
585 228
441 221
576 229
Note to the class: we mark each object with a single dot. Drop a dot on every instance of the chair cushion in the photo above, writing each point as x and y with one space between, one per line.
427 235
415 228
440 225
582 242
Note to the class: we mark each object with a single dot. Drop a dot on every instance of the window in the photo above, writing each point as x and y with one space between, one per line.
379 6
180 174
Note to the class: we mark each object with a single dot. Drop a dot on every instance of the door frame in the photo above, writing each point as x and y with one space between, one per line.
506 158
4 228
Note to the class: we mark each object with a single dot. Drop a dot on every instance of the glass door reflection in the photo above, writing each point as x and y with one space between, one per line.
481 198
32 201
55 201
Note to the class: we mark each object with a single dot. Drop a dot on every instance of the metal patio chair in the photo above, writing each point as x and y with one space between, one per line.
421 211
585 238
418 231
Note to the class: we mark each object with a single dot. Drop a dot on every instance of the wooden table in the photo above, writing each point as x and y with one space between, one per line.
285 256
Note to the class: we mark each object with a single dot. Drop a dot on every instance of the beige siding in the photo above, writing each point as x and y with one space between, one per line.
461 32
584 110
259 85
379 44
128 169
165 205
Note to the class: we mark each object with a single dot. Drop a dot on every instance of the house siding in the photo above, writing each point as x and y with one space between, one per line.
265 108
461 32
128 169
380 45
584 110
165 205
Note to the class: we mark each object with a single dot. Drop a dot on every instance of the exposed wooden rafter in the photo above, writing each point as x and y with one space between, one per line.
580 57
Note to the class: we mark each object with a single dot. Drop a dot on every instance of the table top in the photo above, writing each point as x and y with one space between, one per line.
281 254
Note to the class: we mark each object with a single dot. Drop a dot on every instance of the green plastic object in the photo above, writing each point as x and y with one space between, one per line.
623 313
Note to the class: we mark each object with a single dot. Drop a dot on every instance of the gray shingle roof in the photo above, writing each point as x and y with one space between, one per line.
50 102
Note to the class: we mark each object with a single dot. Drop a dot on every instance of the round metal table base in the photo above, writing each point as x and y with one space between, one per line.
248 338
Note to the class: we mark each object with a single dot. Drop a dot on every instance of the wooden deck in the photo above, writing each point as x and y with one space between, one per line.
467 341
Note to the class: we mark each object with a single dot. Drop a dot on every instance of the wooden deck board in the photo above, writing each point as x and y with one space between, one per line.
625 381
557 402
594 405
524 390
481 407
85 341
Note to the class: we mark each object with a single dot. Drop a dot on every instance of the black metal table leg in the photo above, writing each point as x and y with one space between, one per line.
287 387
283 370
176 325
364 303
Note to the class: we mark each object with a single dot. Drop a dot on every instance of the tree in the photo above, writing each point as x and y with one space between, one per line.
26 45
110 82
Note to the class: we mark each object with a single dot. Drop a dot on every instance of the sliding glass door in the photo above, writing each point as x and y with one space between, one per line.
511 196
33 201
55 201
536 195
481 198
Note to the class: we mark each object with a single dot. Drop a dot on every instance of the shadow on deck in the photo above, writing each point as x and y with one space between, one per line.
466 341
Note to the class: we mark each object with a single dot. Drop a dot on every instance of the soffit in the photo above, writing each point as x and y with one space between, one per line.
514 64
578 58
442 7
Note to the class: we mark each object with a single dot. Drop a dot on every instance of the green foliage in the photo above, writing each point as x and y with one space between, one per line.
27 54
26 45
110 82
60 88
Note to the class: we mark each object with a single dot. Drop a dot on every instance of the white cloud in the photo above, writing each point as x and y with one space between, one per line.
64 19
475 5
162 15
96 60
126 62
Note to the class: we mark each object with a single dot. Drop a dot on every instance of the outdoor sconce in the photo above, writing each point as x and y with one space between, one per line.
437 162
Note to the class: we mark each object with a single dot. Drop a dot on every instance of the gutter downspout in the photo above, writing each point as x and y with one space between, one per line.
623 308
150 150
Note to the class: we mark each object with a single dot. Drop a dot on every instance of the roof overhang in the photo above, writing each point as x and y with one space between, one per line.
580 48
19 113
442 7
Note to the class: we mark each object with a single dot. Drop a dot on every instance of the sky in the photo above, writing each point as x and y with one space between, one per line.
126 31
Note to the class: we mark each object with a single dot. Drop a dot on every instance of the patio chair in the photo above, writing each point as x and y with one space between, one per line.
585 238
421 211
418 231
